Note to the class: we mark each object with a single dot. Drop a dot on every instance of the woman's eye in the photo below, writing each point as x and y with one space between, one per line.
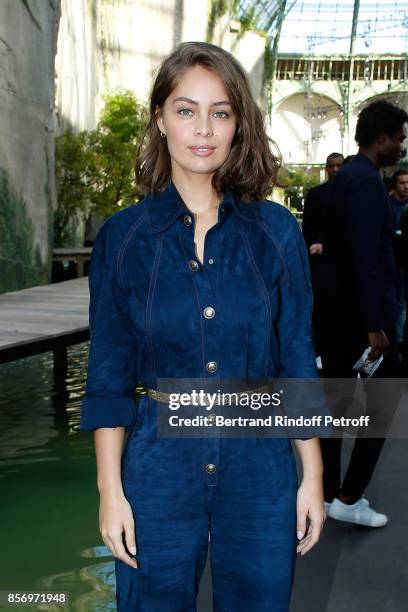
185 111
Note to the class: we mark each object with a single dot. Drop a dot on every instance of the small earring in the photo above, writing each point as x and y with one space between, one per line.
162 134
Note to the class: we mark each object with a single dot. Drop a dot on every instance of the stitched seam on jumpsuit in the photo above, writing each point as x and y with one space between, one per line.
199 308
169 222
259 278
157 229
275 241
109 270
150 303
123 248
308 287
119 261
307 284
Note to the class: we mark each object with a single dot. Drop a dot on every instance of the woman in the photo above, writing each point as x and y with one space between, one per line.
200 279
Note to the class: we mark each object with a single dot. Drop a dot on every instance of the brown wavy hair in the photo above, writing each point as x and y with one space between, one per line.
250 168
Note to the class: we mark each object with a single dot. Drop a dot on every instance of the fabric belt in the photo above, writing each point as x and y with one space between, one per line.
162 396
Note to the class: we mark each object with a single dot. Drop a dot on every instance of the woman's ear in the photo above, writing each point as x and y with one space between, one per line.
159 119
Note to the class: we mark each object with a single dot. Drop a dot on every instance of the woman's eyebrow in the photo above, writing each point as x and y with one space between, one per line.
184 99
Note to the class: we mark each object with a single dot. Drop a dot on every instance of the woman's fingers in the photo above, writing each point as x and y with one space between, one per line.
312 541
117 528
313 535
130 537
115 544
301 522
122 553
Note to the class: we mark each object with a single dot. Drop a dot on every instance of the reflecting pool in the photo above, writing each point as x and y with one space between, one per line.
49 509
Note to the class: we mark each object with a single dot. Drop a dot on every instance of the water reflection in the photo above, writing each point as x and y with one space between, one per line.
91 588
48 481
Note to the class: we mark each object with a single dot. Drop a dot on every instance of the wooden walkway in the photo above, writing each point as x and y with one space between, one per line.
43 318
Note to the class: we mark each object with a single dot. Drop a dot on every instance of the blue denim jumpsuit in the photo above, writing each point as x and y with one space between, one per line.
148 294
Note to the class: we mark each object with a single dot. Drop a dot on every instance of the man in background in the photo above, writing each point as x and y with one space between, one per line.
359 300
314 206
312 227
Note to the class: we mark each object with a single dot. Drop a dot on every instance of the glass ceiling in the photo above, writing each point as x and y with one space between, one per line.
325 27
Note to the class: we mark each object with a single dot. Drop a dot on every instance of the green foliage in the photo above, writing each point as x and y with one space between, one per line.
248 21
218 9
75 164
20 258
94 169
114 144
123 117
296 184
268 62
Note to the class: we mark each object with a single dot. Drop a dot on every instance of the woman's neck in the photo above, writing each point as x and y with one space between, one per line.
197 192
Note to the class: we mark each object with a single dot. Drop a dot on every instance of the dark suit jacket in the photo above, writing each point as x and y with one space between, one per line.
398 208
360 268
312 224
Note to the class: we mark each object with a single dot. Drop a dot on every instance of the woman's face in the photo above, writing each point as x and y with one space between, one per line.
198 121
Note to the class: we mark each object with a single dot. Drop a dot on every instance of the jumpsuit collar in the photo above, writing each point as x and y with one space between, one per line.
164 208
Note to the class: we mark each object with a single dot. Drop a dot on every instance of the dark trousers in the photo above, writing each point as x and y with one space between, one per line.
339 352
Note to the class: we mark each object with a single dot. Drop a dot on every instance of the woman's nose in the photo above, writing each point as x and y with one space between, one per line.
203 126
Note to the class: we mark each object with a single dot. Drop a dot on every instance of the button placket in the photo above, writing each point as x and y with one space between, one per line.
206 302
209 316
206 296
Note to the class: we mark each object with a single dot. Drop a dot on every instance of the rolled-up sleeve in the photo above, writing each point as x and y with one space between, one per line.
109 399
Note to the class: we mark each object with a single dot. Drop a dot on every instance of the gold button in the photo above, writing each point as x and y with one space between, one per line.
193 265
210 468
187 220
211 366
209 312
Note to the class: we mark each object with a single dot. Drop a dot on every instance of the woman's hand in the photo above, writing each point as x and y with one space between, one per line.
309 504
115 516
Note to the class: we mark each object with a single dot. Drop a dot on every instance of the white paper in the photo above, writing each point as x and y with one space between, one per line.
365 365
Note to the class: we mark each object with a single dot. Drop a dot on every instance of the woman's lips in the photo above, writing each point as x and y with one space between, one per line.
202 151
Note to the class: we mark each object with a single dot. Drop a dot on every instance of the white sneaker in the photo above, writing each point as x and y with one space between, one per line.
359 513
327 505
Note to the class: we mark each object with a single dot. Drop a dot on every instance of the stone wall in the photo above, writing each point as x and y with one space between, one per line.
28 30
